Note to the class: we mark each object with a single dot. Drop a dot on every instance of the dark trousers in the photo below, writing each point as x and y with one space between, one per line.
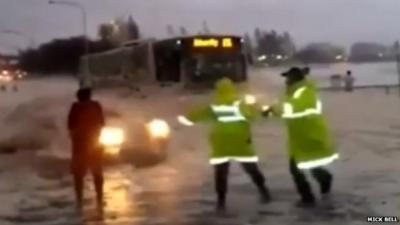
221 179
323 176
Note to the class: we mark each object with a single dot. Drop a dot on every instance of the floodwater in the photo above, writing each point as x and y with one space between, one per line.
365 74
36 188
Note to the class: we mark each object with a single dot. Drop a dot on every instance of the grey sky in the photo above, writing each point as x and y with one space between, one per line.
338 21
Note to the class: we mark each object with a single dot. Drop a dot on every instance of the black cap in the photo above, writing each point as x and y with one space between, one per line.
294 71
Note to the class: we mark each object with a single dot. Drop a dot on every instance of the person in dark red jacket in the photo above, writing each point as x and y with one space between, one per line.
85 121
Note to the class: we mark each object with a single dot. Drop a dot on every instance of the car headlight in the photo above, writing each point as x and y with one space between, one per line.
112 138
158 128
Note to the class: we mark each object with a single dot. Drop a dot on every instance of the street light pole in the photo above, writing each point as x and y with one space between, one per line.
84 82
397 52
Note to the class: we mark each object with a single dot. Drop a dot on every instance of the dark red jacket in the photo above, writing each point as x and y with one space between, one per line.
85 119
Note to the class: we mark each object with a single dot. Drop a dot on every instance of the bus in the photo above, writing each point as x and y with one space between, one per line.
191 61
198 61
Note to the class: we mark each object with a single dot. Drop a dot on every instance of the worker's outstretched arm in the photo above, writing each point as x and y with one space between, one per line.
197 115
252 112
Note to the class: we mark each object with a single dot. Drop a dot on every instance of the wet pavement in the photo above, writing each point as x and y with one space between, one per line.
37 189
164 194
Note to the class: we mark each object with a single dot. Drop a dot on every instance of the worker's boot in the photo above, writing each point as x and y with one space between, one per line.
265 196
306 203
326 197
221 204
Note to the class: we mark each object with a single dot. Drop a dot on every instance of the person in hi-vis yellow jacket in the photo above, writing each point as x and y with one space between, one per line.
309 142
230 137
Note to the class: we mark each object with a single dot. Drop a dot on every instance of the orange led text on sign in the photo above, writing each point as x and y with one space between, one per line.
227 43
206 43
215 43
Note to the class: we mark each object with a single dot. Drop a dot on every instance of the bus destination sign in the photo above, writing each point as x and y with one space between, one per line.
213 43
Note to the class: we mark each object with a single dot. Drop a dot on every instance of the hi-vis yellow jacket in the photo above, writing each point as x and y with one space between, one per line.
309 144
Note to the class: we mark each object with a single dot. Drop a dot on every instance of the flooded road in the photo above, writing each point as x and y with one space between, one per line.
36 188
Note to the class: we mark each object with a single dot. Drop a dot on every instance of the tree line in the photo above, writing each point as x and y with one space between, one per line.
63 55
